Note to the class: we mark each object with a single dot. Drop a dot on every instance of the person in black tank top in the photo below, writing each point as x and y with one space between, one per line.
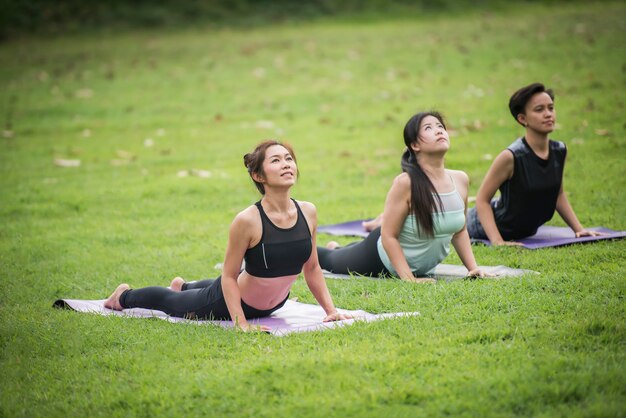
274 255
529 175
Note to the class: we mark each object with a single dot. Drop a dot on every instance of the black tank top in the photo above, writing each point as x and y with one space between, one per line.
281 252
528 199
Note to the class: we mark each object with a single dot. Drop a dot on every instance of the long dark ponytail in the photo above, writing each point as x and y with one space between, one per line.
424 197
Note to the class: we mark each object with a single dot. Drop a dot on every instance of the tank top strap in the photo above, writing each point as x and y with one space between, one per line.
264 218
301 215
453 182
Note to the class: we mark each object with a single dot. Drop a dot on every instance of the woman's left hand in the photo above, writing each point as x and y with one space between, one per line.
337 316
587 233
477 272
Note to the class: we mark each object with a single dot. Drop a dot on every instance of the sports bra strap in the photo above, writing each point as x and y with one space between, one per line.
453 182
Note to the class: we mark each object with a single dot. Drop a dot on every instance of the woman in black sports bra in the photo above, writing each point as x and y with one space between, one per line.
275 237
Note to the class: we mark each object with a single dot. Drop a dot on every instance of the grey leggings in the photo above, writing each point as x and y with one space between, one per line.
360 257
474 227
202 299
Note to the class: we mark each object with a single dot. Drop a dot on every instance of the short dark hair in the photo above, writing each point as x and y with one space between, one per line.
254 160
517 102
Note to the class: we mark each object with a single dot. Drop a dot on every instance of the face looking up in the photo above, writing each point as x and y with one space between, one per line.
279 167
431 134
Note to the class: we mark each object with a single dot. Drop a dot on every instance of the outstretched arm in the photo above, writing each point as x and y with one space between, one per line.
500 171
565 210
396 211
238 241
313 272
463 247
461 240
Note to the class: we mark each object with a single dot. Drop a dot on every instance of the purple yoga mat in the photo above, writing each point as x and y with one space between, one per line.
546 236
556 236
350 229
292 317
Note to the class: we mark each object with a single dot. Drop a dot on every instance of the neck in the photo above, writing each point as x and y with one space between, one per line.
538 141
277 200
432 165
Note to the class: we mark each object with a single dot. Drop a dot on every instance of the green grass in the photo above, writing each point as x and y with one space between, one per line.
340 92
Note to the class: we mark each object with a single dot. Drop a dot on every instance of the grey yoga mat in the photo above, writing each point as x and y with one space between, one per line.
453 272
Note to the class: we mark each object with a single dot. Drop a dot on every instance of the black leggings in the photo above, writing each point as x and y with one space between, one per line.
202 299
359 257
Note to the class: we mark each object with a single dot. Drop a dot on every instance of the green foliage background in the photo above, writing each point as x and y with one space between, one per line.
66 16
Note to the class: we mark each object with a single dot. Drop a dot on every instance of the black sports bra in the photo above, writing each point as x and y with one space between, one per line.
281 252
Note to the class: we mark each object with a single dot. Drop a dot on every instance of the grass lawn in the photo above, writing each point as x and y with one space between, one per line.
158 122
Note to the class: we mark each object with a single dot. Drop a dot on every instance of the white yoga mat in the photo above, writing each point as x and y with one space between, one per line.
292 317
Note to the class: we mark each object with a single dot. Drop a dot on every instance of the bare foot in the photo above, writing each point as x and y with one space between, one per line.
332 245
369 226
113 302
177 284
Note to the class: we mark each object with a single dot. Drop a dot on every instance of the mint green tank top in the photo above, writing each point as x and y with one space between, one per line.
424 253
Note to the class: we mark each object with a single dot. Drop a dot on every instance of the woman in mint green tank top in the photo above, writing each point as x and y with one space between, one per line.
424 213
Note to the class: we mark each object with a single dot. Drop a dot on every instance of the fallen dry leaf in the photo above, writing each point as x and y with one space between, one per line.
259 72
125 155
264 124
200 173
84 93
61 162
117 162
195 173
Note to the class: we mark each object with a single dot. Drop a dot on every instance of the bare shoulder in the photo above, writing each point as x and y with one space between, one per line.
402 181
308 208
246 228
310 212
502 166
460 177
247 218
505 157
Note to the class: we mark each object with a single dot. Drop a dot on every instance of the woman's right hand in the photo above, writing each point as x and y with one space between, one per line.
246 327
506 243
